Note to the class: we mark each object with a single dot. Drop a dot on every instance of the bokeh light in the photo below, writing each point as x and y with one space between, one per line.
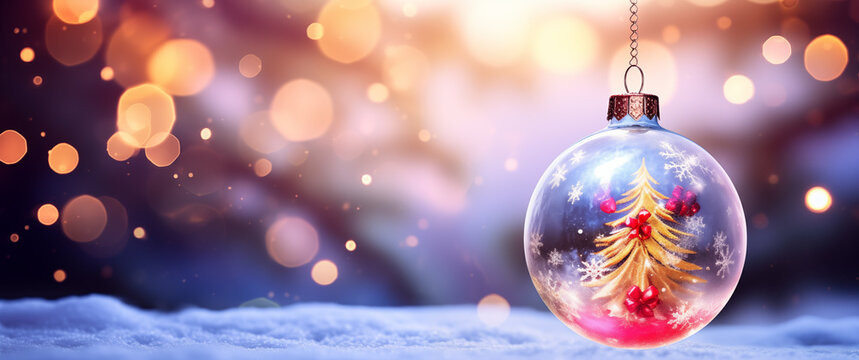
493 310
301 110
412 241
205 133
350 245
258 133
671 34
366 179
73 44
738 89
565 45
119 146
106 73
351 30
83 218
14 238
707 3
724 22
131 45
37 80
250 66
47 214
166 152
324 272
27 54
63 158
826 57
511 164
404 67
75 11
182 67
292 241
262 167
60 275
208 3
495 32
818 199
377 92
139 233
315 31
13 147
143 112
776 49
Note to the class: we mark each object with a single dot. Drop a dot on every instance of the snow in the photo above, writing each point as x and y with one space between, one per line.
577 157
536 243
575 193
555 258
592 270
683 165
100 327
723 254
558 176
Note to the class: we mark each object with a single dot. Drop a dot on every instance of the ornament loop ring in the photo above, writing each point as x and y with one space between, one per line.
626 75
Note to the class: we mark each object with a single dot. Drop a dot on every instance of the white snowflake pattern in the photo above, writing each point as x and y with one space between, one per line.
592 270
681 317
724 255
694 224
577 157
555 258
683 165
549 282
536 243
575 193
559 175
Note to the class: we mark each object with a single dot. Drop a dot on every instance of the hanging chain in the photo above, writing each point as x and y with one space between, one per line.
633 46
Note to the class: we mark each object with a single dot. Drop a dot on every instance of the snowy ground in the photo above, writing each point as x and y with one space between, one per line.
99 327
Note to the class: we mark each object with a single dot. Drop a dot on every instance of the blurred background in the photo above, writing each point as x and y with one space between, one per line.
383 152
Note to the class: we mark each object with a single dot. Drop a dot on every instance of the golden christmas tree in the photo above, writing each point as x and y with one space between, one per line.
646 250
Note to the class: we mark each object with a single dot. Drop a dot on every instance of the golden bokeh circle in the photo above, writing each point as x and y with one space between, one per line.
826 57
301 110
324 272
292 241
144 111
47 214
776 49
738 89
27 54
258 133
351 30
262 167
131 44
75 11
73 44
63 158
13 147
83 218
166 152
181 67
121 146
250 66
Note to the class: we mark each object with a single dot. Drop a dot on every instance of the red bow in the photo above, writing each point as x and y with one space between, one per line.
639 226
642 303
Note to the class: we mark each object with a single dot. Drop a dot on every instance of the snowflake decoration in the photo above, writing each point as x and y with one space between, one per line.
694 224
559 175
548 282
577 157
724 255
555 258
723 261
720 240
683 165
536 243
681 318
575 193
592 270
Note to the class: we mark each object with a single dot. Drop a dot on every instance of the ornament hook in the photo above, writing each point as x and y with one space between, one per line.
633 47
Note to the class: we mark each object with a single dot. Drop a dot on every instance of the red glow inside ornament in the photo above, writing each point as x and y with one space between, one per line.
651 266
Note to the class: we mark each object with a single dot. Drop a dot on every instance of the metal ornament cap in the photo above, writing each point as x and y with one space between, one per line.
633 105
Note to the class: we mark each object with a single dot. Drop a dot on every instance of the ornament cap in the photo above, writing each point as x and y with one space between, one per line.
635 105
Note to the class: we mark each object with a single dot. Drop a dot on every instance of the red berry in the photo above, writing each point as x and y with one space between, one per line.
678 192
690 197
608 206
643 215
671 205
694 209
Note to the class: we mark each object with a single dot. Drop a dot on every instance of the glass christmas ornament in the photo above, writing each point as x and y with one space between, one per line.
635 236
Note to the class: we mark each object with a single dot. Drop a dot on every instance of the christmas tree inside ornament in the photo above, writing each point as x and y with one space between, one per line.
635 236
